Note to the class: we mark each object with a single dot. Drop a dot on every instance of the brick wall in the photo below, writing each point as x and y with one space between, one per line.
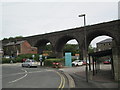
27 49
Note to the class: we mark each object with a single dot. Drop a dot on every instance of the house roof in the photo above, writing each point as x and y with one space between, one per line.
13 43
105 41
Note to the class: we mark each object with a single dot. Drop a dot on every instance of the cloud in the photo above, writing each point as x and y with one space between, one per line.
31 18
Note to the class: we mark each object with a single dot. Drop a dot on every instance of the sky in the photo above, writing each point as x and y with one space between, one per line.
27 18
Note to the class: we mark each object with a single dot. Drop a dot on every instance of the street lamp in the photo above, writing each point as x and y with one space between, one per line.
85 38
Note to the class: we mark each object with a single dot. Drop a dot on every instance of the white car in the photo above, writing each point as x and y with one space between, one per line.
77 63
29 63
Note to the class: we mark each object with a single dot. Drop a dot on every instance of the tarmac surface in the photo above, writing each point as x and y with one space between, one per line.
102 79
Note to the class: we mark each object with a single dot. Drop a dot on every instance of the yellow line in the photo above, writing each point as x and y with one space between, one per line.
61 80
62 83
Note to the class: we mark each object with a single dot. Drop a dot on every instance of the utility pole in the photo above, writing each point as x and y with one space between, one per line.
85 38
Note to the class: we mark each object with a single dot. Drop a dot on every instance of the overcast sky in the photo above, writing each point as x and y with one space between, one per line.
32 18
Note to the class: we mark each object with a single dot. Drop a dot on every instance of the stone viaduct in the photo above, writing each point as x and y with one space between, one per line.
60 38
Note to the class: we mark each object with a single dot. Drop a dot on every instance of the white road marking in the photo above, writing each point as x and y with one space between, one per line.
29 72
25 74
49 70
19 78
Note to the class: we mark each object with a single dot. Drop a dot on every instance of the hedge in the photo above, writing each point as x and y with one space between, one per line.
8 60
17 59
49 62
22 56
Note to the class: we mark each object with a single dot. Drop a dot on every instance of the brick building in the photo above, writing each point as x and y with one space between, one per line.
17 48
104 45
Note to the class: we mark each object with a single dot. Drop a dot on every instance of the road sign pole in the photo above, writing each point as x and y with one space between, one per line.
40 58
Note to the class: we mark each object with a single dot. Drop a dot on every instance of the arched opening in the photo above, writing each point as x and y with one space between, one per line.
67 44
73 47
101 58
44 47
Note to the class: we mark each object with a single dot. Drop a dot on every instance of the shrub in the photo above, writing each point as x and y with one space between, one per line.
7 60
49 62
18 59
26 56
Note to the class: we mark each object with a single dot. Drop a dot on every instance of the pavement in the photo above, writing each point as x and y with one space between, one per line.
102 79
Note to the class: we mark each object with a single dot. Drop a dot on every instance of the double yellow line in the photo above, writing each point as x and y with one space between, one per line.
62 83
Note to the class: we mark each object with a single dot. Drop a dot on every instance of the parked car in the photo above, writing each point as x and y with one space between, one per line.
24 59
108 61
84 62
77 63
29 63
56 65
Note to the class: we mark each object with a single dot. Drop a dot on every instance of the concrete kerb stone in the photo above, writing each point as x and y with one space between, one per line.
70 80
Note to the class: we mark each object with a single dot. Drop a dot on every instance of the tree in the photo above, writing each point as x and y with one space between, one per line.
13 39
73 48
91 49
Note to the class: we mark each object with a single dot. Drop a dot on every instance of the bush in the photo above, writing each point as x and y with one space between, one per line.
7 60
18 59
49 62
26 56
4 60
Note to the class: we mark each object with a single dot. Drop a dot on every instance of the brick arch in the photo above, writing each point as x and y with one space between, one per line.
115 47
94 34
40 44
61 43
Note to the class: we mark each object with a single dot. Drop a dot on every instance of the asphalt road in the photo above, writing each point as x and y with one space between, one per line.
14 76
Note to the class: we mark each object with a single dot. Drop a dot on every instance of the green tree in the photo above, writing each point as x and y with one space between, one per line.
91 49
73 48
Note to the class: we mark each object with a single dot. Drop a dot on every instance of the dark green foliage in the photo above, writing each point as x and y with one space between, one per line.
7 60
49 62
4 60
48 47
27 56
91 49
73 48
19 58
13 39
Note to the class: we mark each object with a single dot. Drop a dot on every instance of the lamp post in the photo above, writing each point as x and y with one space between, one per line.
85 38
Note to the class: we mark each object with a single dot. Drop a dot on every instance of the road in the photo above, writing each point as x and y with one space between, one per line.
14 76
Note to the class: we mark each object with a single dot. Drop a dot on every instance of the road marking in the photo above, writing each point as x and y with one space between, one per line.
60 80
62 83
29 72
70 80
49 70
19 78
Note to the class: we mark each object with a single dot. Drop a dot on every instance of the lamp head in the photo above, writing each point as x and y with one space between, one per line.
81 15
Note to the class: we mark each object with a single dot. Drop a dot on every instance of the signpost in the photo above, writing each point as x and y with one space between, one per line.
33 56
40 58
77 56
